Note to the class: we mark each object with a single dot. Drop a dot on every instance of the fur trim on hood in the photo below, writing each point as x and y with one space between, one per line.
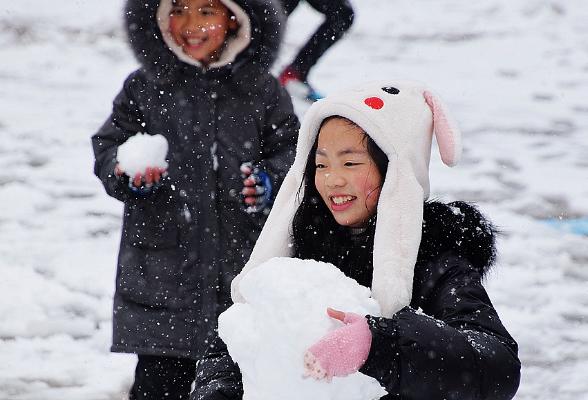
261 25
461 227
400 117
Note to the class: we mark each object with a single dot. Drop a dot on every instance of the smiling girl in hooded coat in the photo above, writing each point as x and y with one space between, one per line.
357 197
204 84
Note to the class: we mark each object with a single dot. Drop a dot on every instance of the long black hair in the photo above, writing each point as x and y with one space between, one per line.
316 233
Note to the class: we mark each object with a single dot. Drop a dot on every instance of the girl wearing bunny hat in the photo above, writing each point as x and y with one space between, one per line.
357 197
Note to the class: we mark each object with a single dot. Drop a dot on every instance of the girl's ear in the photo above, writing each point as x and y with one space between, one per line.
446 130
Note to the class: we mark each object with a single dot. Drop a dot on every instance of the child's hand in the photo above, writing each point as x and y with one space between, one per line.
144 183
341 352
257 188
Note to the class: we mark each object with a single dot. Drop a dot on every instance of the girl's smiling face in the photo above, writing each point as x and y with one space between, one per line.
346 176
201 27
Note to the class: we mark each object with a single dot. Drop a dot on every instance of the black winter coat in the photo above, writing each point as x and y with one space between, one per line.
448 344
183 243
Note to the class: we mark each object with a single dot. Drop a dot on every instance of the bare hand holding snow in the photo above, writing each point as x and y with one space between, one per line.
285 314
142 151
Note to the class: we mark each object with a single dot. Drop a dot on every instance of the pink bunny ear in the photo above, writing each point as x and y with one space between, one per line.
446 130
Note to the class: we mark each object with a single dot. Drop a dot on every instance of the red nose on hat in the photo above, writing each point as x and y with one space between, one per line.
374 102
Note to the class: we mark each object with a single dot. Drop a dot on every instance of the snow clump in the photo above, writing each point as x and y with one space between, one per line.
284 314
142 151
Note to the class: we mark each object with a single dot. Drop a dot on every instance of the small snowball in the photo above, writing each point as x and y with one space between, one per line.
285 313
142 151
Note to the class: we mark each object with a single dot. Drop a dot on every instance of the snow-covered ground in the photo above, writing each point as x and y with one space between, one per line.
514 72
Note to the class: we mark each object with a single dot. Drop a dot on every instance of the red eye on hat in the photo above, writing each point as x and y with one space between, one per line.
374 102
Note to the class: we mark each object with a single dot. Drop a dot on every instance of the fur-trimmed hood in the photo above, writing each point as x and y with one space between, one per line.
458 226
400 116
256 42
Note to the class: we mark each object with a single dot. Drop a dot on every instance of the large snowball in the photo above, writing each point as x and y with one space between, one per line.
284 314
142 151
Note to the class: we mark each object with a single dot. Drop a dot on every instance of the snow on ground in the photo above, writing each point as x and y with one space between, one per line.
515 74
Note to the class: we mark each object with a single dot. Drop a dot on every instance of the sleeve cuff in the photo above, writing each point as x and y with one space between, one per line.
381 363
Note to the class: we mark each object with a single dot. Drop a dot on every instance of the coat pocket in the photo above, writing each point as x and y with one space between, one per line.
153 224
149 277
150 253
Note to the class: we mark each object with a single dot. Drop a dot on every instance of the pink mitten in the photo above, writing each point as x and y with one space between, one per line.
341 352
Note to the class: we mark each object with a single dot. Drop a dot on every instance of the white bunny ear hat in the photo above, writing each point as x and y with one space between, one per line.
400 116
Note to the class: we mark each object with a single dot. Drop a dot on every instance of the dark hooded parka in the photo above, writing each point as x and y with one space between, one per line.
183 243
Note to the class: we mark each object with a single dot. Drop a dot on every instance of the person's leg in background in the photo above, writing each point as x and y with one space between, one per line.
338 19
162 378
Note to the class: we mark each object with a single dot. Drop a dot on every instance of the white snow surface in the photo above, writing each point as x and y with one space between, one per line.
284 314
514 73
142 151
